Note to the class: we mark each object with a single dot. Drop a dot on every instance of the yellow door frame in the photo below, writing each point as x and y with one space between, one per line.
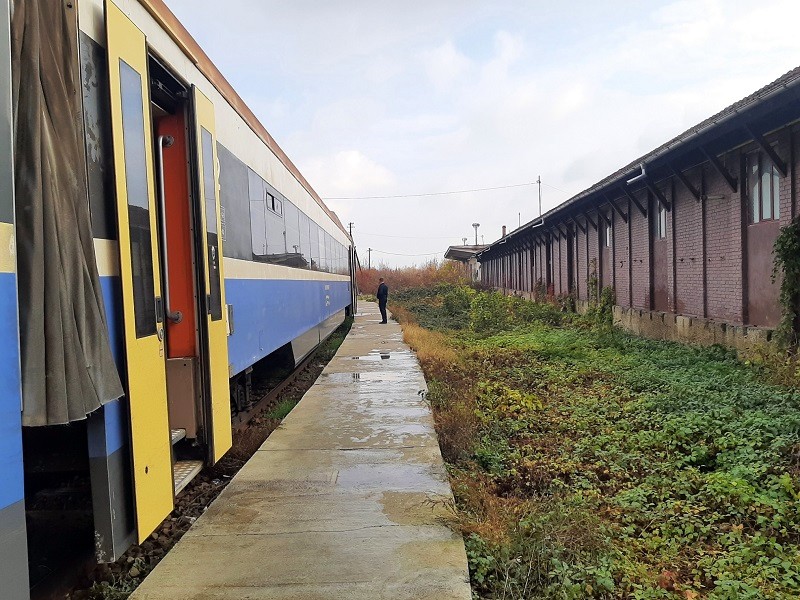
216 358
146 372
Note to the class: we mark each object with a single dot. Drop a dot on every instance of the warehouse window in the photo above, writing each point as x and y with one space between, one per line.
661 225
763 188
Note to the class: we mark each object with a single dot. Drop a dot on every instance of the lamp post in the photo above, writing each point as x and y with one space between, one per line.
476 225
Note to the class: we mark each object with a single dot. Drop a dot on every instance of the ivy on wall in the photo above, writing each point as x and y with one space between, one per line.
787 266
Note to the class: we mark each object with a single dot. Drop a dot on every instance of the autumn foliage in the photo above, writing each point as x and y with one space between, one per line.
405 278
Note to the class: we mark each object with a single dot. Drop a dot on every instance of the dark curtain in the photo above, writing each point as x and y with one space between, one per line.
67 366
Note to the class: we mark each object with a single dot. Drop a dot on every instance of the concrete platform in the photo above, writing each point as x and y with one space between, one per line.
348 498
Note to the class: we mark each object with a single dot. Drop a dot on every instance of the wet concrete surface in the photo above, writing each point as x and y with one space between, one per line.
348 498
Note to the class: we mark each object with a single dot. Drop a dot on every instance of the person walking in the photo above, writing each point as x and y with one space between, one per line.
383 296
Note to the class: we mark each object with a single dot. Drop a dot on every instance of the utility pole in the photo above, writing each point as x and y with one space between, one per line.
539 181
369 259
350 225
476 225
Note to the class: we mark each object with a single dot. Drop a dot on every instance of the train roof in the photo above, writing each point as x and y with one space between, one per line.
189 46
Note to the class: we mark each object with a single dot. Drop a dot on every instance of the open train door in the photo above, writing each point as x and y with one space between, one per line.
215 337
139 270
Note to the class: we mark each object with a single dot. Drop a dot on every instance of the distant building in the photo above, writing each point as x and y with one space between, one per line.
684 235
467 256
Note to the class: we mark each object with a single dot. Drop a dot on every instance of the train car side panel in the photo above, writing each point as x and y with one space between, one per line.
13 536
108 431
272 312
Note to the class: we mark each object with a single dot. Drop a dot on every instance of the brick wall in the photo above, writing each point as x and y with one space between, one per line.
580 264
620 257
563 267
689 254
640 253
704 257
724 245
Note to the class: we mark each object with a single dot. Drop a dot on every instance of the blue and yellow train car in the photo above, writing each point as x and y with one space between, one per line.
155 244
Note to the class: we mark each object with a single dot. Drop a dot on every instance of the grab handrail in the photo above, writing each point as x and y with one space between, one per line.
165 141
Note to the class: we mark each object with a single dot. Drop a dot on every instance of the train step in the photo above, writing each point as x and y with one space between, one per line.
177 435
184 471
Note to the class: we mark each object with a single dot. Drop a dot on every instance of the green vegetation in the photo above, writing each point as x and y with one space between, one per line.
283 408
588 463
787 268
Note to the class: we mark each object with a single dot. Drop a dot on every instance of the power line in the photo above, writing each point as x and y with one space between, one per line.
488 189
411 237
555 188
398 254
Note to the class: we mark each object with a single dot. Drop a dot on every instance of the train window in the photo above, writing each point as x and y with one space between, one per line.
212 236
292 220
276 237
331 266
274 204
234 205
209 188
258 217
305 240
323 255
314 235
133 140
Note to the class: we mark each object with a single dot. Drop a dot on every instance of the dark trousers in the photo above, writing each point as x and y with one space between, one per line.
382 306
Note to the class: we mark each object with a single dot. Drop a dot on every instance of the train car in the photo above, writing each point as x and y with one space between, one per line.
156 243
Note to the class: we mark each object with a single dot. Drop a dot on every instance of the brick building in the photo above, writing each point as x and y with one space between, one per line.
683 235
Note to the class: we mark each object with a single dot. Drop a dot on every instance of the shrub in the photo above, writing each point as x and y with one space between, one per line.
489 312
457 301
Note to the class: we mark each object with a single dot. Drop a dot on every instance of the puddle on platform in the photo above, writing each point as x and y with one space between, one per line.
379 354
367 376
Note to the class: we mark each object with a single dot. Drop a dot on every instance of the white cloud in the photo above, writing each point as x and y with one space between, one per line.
445 65
375 98
349 172
508 47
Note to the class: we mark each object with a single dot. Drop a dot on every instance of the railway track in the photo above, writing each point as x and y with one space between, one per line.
64 578
242 419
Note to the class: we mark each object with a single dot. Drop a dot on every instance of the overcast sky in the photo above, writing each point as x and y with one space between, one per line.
378 98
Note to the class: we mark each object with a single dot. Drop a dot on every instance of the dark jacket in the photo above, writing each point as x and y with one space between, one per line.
383 292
